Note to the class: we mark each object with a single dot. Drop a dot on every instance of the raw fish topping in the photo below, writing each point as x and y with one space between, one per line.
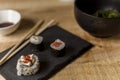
57 44
27 60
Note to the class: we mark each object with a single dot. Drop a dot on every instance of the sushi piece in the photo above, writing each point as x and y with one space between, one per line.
27 65
37 43
58 47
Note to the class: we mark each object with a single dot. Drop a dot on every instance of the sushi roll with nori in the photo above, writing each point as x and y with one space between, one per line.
27 65
37 43
58 47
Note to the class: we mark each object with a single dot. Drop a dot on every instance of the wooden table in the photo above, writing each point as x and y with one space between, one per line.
100 63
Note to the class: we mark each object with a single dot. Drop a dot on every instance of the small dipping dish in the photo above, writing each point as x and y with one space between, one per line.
9 21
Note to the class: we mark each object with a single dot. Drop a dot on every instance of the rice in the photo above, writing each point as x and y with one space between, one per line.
36 39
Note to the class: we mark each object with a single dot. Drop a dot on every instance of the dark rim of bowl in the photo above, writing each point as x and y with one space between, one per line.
76 6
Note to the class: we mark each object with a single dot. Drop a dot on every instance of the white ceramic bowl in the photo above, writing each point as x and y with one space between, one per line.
11 16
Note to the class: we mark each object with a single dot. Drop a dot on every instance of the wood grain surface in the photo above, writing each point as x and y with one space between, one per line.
100 63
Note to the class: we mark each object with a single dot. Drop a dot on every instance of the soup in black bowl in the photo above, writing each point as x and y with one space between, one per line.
101 18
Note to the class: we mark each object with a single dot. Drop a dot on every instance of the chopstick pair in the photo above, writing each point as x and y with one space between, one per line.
18 47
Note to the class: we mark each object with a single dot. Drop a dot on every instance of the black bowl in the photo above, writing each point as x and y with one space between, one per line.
97 26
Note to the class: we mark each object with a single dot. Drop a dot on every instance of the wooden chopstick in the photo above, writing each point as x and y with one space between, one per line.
22 39
51 23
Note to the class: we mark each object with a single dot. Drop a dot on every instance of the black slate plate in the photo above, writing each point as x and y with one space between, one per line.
50 64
